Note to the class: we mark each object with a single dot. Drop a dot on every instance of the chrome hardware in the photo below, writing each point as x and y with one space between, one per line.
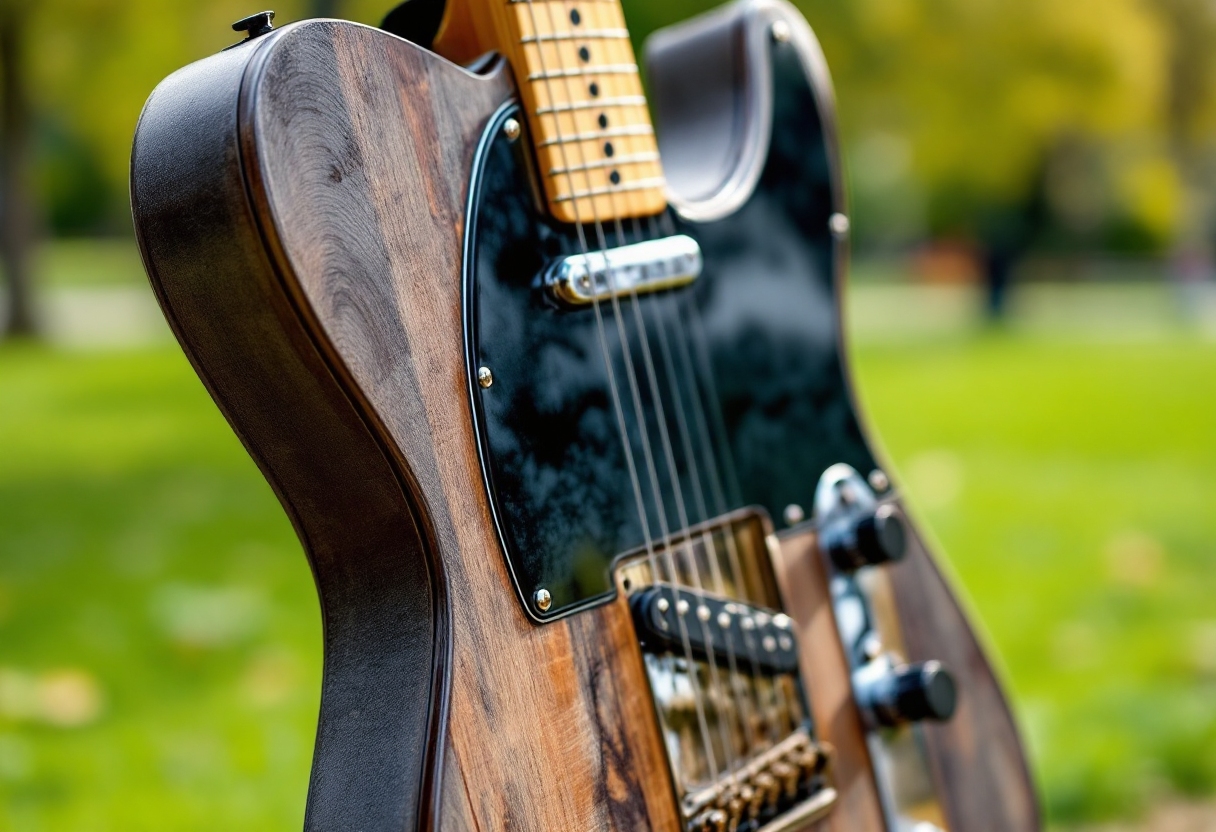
839 224
722 656
543 599
858 532
793 514
804 813
511 129
781 31
641 268
485 378
879 480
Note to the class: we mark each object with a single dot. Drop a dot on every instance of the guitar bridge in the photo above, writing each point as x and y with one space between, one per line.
722 661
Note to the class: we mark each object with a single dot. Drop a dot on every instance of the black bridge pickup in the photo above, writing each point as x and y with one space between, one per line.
761 641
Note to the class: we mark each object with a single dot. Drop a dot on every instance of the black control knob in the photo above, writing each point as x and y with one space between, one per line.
910 693
869 540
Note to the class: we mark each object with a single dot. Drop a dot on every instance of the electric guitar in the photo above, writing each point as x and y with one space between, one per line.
556 401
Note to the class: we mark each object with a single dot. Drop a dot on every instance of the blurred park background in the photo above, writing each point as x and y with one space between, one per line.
1033 317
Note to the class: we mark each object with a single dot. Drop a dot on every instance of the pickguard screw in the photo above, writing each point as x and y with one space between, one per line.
543 599
794 514
511 129
485 378
878 480
781 31
839 224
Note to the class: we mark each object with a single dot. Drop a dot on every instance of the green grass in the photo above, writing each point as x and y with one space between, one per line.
159 633
1072 486
89 262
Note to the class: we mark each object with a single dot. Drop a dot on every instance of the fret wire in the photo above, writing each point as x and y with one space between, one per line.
634 159
589 34
640 185
595 104
606 69
638 130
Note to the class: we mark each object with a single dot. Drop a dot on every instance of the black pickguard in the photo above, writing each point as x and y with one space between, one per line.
754 344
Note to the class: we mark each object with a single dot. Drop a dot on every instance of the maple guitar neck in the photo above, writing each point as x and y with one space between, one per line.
580 88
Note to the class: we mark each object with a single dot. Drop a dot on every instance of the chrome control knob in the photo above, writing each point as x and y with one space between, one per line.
871 539
909 693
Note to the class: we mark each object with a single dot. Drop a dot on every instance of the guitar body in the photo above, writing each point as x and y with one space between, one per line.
340 228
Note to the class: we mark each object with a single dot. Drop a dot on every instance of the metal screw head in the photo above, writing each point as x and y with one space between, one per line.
839 224
542 599
781 31
511 129
485 378
871 647
793 514
878 480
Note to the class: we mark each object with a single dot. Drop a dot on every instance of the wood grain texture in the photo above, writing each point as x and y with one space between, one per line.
362 199
804 586
978 764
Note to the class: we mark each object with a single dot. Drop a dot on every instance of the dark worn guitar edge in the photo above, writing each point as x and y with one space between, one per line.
244 244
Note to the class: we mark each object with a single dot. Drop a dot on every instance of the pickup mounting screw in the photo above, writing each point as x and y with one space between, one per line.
256 24
543 599
485 378
781 31
511 129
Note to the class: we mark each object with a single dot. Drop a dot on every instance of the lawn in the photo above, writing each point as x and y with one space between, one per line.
159 634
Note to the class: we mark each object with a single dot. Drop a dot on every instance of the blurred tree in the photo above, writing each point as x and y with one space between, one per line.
953 112
17 211
1191 121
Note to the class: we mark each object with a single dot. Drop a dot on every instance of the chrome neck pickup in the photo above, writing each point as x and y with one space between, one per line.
637 269
718 630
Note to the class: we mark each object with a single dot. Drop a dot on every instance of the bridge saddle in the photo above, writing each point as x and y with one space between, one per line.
722 661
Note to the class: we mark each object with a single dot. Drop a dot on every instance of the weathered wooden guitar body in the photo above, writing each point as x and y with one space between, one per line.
339 228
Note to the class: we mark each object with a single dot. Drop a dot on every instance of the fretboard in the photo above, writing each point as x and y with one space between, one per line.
586 110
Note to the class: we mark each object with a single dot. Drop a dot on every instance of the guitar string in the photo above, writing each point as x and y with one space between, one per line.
767 701
684 528
615 394
744 693
693 568
762 703
717 436
660 503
